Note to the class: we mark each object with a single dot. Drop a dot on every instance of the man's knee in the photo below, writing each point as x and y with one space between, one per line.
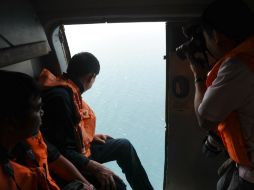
125 144
125 141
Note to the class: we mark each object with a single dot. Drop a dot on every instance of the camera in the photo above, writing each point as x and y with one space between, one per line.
212 145
195 44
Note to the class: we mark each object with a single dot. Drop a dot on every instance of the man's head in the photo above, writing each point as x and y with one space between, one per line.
226 23
19 105
84 66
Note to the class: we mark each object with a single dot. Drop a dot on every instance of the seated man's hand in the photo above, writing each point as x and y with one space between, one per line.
89 187
100 138
105 176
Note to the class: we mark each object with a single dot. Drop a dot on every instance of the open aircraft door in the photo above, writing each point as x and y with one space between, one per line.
186 167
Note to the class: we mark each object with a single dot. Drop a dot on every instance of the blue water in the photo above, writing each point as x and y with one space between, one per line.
128 95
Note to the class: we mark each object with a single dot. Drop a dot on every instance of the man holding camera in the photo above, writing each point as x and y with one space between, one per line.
224 97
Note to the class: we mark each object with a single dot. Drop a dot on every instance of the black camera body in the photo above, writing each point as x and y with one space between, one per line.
195 44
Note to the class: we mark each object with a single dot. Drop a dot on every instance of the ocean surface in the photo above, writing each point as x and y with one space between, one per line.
128 95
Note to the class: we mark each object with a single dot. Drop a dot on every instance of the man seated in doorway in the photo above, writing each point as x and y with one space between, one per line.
69 123
23 153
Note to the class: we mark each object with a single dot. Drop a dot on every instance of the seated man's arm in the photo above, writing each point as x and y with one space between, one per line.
105 176
61 166
58 128
66 170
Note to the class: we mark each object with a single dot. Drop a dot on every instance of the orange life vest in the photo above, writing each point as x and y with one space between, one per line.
230 129
39 149
85 129
14 176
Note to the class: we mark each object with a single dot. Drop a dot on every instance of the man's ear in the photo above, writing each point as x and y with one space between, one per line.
87 78
90 77
223 41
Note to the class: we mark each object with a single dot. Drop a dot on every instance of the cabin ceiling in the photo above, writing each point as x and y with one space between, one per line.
66 5
69 10
84 11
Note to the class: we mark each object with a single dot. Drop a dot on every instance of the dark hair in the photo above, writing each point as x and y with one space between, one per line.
82 64
17 91
231 17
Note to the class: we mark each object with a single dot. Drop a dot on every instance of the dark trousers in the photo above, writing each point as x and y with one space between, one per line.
230 179
122 151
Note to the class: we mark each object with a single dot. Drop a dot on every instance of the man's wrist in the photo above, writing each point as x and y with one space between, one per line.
93 166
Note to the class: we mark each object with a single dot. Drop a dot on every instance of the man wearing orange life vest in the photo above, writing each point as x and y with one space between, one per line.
18 120
224 97
23 156
69 123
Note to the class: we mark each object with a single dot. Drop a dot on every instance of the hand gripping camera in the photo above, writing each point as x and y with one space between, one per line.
194 45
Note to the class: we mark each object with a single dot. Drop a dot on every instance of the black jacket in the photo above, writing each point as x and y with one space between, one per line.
59 120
